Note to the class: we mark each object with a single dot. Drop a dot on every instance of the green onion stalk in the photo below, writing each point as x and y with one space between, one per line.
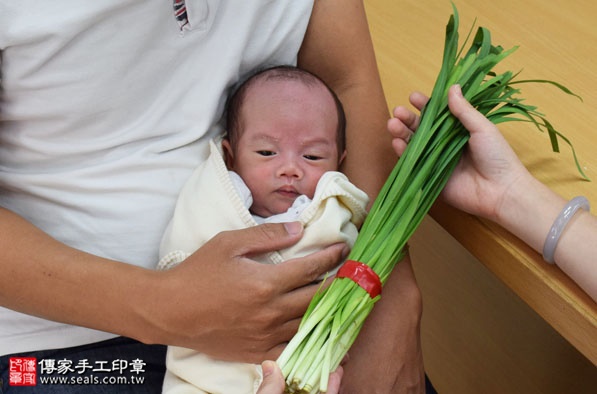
336 314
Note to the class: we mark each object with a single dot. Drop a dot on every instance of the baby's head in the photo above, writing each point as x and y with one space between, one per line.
285 129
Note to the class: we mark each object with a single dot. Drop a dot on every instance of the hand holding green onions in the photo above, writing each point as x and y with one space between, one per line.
336 315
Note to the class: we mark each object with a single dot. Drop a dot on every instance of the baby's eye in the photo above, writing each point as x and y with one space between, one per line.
266 152
312 157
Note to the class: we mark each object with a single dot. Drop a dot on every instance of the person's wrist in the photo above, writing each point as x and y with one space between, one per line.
147 318
516 196
528 210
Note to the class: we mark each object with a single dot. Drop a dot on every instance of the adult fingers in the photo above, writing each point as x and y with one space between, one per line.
418 100
335 381
273 380
299 279
486 140
261 239
470 118
401 127
403 123
292 307
298 272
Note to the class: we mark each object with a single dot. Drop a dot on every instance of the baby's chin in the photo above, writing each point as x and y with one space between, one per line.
279 208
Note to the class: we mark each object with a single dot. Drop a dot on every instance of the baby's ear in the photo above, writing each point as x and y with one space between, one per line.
228 153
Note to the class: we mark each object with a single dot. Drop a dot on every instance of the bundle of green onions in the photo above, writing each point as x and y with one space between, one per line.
336 314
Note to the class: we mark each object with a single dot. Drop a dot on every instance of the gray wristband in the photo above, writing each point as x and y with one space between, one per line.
549 248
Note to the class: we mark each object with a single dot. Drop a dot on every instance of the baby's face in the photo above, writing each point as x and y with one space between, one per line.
288 141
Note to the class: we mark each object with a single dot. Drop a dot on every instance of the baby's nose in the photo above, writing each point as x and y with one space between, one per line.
291 169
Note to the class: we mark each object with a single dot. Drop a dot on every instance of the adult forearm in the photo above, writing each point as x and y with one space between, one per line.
338 48
576 251
70 286
529 210
184 306
391 336
371 162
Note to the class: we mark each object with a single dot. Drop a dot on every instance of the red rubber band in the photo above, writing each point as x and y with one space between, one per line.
362 275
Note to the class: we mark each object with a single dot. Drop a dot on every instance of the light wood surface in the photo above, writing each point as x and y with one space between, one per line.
557 41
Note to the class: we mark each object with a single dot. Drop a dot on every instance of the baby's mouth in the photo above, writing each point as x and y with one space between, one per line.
288 192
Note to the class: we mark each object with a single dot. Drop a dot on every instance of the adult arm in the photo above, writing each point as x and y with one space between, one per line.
528 208
490 181
257 313
504 191
386 356
338 48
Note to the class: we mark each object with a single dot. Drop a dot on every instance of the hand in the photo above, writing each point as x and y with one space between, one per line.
405 122
228 306
273 380
488 166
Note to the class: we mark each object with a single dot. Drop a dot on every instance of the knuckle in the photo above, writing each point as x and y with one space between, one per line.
313 271
268 320
267 231
263 291
222 239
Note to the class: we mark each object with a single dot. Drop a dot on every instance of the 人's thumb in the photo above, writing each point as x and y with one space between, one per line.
464 111
293 228
268 368
265 238
273 381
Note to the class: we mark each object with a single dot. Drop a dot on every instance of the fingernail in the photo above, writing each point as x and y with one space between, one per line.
458 90
345 252
293 228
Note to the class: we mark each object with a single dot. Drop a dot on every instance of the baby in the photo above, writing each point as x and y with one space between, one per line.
278 163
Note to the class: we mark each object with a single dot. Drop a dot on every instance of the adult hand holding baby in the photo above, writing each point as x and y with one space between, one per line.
261 308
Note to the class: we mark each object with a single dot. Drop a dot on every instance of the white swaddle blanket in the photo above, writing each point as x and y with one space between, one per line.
213 200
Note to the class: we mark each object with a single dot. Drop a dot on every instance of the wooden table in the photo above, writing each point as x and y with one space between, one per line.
557 40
